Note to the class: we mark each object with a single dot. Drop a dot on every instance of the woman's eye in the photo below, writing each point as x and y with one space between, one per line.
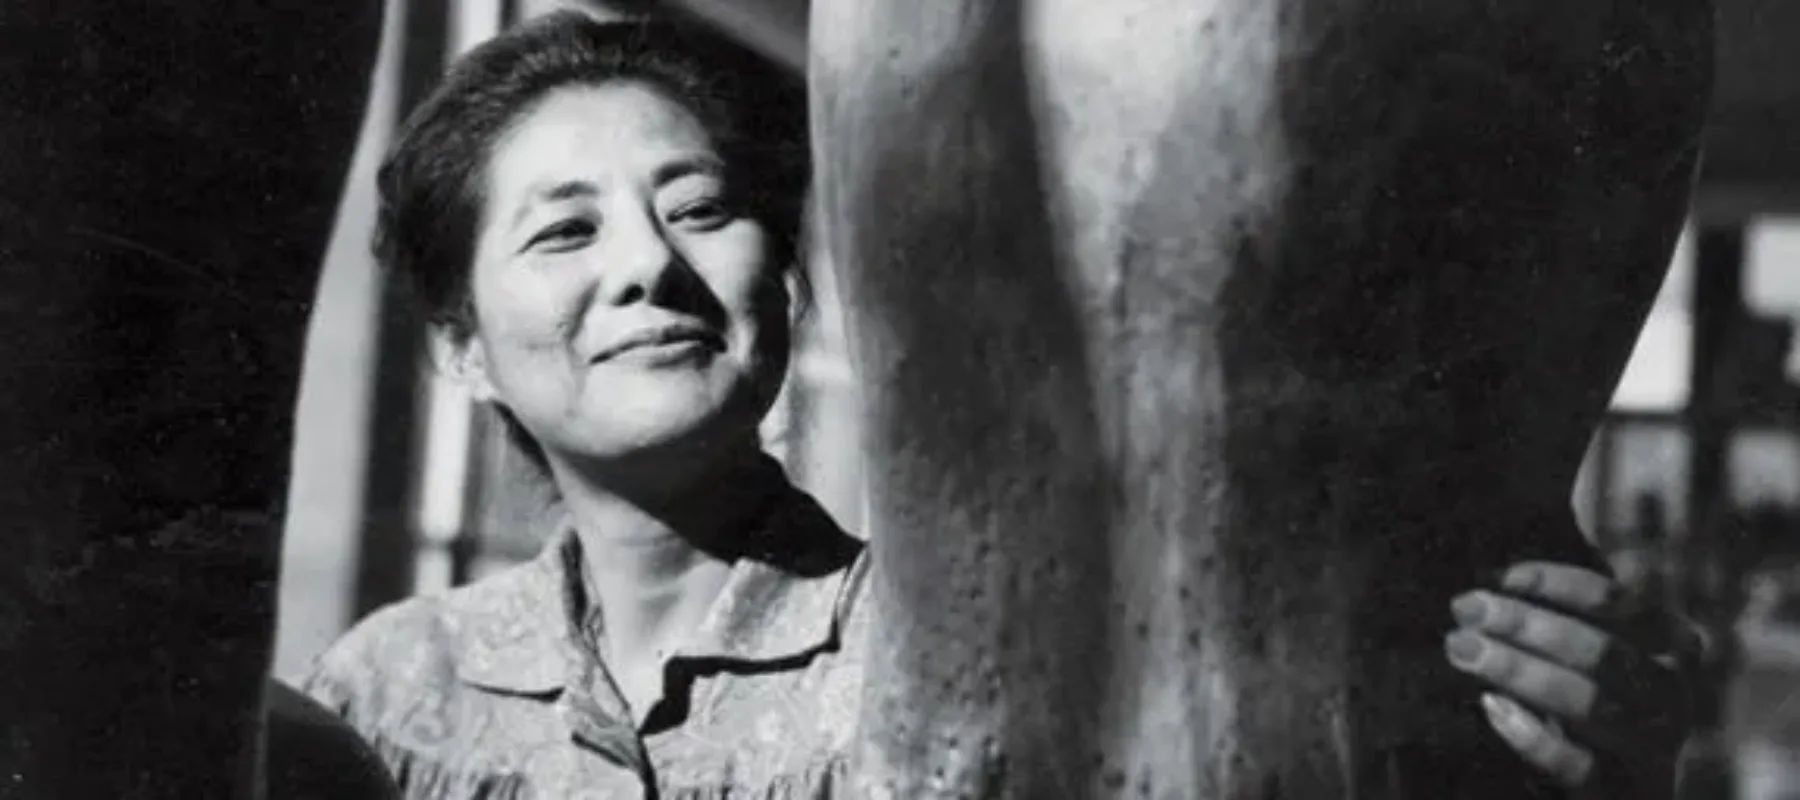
565 234
702 214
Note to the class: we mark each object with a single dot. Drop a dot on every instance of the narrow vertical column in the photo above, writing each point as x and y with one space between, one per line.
1710 566
322 530
1210 348
1718 310
396 435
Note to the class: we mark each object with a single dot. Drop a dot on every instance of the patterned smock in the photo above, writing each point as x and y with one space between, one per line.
495 690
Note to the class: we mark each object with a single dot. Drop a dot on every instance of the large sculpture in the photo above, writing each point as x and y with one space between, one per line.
171 173
1210 347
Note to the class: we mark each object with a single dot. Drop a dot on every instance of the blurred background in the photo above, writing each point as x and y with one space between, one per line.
400 486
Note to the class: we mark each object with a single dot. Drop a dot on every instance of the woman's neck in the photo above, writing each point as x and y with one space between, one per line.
647 510
656 556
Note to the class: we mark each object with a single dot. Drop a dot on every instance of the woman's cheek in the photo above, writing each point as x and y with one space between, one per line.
539 310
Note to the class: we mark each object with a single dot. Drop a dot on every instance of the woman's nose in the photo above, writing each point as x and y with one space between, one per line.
639 259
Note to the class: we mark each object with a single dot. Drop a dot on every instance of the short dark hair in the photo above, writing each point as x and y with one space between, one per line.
431 183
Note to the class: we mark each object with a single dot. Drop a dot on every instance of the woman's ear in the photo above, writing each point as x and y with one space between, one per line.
459 355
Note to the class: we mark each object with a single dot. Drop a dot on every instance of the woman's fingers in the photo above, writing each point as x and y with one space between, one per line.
1582 591
1546 749
1544 684
1595 596
1574 764
1623 702
1577 693
1564 639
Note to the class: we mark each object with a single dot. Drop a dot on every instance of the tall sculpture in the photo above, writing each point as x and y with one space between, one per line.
171 173
1210 347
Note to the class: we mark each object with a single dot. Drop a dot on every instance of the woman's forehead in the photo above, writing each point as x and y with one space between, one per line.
613 130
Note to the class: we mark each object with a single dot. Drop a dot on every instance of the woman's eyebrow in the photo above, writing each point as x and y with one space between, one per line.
553 192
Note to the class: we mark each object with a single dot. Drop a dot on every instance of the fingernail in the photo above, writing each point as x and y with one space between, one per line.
1519 579
1508 718
1464 648
1469 609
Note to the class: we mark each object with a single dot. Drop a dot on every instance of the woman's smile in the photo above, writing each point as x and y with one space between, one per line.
663 345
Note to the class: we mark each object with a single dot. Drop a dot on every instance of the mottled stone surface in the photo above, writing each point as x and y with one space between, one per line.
169 176
1210 347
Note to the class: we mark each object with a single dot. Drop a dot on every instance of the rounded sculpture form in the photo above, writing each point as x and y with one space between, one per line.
1210 347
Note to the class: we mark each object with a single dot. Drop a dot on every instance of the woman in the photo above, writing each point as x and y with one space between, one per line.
602 221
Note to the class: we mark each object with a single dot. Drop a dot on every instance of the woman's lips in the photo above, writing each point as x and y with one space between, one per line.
661 343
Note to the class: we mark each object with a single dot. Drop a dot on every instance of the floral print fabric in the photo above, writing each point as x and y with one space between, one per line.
493 690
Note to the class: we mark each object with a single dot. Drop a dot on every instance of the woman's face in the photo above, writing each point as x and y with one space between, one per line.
623 302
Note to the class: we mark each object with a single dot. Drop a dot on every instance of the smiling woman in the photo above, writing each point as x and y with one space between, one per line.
602 222
625 300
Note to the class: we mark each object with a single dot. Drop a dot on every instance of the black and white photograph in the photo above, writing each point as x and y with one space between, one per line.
893 399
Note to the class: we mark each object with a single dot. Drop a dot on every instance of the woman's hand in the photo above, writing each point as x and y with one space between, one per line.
1576 696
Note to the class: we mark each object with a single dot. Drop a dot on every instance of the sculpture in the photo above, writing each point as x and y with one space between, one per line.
1210 347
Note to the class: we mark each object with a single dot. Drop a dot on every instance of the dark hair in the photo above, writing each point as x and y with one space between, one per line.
431 183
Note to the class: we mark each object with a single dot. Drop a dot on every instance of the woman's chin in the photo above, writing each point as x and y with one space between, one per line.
647 415
679 426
